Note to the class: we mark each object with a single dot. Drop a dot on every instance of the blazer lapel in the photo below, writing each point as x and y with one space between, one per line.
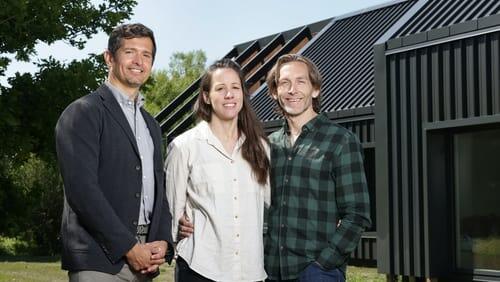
113 107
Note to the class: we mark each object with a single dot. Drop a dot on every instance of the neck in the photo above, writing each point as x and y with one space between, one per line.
132 93
226 131
295 123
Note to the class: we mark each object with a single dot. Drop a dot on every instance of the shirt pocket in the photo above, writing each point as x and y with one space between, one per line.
206 178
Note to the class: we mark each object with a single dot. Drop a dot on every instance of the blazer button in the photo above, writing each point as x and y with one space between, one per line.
134 222
137 195
137 167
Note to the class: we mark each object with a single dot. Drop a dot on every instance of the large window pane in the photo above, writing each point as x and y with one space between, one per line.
477 182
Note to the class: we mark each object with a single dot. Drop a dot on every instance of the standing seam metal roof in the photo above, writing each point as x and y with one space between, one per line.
441 13
344 56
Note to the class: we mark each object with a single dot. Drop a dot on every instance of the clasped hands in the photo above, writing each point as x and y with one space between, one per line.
148 257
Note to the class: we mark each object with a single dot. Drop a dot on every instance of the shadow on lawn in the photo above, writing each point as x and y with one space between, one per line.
30 258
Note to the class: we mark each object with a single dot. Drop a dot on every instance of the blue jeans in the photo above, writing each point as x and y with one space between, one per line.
315 273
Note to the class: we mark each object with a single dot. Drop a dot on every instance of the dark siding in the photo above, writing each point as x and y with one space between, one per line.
426 87
364 129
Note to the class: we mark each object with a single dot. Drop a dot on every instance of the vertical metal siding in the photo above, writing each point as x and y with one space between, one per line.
440 83
363 128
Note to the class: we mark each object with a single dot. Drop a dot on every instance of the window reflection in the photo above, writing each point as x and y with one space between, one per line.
477 182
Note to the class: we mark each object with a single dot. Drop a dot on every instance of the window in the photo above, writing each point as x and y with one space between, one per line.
477 199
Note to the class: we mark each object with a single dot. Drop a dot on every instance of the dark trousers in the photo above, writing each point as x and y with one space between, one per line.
315 273
185 274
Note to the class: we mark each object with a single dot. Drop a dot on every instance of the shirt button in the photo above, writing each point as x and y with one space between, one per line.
238 235
232 161
235 217
286 179
282 225
284 203
236 253
289 158
235 198
281 248
234 179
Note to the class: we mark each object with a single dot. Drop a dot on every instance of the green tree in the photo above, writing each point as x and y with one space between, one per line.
31 195
165 85
30 185
33 103
24 23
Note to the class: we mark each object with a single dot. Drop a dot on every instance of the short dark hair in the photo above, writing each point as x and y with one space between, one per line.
273 78
128 31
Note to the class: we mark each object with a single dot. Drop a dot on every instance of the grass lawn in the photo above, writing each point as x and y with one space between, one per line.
49 269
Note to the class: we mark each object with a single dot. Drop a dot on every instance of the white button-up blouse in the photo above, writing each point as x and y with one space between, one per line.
223 200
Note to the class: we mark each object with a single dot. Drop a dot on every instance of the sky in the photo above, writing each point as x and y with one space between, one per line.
213 26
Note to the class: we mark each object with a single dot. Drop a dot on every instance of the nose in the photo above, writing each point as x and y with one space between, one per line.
291 89
228 94
137 59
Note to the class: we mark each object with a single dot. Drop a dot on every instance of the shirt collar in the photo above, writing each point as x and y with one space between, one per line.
123 98
309 126
205 133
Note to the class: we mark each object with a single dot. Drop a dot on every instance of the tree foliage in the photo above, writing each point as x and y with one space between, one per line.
165 85
30 185
31 195
24 23
34 102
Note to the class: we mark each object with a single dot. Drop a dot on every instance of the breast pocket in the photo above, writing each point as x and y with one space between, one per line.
206 179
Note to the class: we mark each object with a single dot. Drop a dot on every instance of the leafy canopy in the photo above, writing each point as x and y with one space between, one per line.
165 85
24 23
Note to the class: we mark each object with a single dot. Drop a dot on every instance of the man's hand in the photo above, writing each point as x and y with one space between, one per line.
186 228
139 257
158 251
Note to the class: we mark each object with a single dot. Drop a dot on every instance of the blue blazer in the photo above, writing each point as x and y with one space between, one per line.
101 170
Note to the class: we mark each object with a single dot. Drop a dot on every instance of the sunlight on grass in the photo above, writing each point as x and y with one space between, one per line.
48 269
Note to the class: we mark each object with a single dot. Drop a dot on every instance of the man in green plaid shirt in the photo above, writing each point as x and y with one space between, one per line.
319 197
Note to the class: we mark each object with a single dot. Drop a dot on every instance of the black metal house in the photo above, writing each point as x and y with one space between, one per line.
419 82
437 89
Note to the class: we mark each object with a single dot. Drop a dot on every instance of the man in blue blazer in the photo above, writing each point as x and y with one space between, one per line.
116 221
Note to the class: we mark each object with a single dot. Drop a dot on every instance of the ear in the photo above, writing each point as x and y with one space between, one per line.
315 93
108 58
205 98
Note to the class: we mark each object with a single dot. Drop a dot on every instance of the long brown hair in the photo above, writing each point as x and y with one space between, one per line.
252 150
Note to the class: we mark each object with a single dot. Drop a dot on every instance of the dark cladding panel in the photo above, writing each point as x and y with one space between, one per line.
363 128
437 84
495 72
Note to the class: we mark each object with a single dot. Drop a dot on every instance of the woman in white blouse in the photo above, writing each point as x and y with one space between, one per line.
217 176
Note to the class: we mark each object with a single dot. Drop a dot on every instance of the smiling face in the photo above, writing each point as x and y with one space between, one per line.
295 92
131 65
225 95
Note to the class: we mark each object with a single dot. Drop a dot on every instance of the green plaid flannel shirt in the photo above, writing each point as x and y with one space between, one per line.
314 184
